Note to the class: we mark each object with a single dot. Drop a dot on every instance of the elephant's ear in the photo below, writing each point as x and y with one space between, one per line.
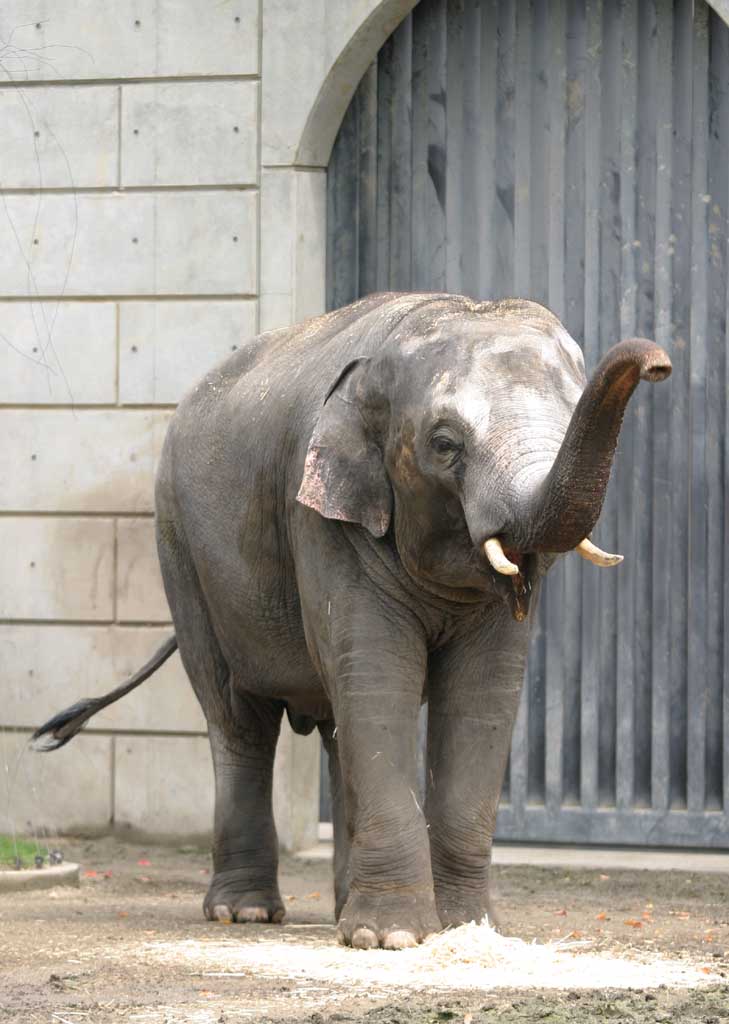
344 475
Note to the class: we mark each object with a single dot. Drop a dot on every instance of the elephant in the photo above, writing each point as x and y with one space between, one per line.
354 516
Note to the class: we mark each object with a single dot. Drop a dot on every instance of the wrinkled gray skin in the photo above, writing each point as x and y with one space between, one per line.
322 503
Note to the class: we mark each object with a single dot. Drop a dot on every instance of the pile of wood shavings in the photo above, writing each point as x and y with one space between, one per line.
482 946
472 956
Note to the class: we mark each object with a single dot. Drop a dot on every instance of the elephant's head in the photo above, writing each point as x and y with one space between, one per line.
474 432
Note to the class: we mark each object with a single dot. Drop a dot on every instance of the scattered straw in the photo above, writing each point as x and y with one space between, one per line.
470 957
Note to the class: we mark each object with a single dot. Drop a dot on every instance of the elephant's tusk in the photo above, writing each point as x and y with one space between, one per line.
497 558
593 554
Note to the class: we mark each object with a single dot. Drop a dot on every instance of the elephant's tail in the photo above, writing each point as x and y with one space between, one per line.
58 730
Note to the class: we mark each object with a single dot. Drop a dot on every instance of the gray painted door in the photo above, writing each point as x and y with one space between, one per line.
577 153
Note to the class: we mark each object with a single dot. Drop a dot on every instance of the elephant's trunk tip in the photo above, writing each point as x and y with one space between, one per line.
572 495
654 363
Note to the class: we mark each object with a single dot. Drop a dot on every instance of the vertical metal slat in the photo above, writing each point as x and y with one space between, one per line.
659 619
643 471
366 104
385 87
590 580
470 185
625 682
401 150
503 283
522 155
718 341
680 251
454 149
555 72
485 168
698 553
610 233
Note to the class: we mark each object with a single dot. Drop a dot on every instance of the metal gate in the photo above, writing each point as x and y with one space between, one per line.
577 153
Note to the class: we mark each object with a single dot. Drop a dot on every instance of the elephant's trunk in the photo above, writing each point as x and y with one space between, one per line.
571 498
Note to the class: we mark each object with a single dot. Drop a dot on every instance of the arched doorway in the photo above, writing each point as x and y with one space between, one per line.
578 154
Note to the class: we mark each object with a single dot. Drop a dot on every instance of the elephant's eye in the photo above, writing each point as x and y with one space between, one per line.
445 446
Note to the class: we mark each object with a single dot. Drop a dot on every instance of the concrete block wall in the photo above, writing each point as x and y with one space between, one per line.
162 186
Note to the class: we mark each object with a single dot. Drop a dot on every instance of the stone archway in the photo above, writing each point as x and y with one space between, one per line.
314 55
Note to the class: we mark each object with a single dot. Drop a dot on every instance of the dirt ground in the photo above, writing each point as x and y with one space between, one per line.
132 945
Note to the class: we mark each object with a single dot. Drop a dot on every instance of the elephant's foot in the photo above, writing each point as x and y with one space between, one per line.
390 921
340 901
232 898
456 908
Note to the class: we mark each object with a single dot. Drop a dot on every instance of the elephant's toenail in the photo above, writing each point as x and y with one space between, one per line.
364 938
222 913
251 915
278 915
400 940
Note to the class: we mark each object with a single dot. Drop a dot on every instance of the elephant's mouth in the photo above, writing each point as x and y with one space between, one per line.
519 568
516 570
519 584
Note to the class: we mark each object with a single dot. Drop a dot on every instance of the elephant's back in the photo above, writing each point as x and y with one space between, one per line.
274 384
245 426
259 406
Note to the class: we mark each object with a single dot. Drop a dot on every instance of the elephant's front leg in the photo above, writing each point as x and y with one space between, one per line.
473 695
379 674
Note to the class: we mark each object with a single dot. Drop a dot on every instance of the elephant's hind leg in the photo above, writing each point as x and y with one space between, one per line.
243 733
244 886
342 838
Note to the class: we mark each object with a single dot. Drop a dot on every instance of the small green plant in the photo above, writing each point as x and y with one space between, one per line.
25 849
